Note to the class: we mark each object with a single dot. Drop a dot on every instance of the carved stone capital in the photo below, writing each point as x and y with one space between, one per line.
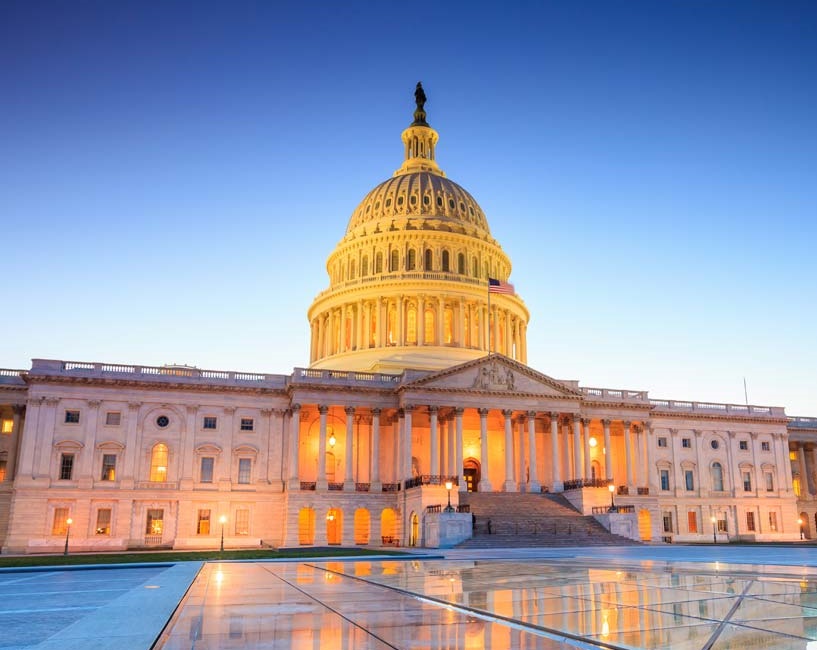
459 411
323 409
229 410
408 408
349 410
51 401
507 413
93 403
606 422
586 422
295 407
376 412
433 409
698 433
753 434
267 412
483 413
626 424
731 434
134 406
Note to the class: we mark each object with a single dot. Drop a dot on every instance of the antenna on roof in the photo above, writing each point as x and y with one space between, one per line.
745 394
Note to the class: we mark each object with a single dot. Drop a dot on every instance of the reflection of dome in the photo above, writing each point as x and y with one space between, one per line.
408 283
428 200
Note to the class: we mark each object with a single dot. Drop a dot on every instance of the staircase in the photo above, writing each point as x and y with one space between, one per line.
524 520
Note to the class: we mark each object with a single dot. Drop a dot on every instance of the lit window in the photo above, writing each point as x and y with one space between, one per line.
750 521
792 455
108 467
207 469
686 443
692 521
2 470
773 521
667 521
210 422
113 418
72 417
247 424
7 426
66 466
747 481
743 445
662 442
158 463
244 467
242 521
203 525
103 521
764 446
60 524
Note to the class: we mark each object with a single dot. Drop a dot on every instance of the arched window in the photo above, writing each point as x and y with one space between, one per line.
364 266
158 463
412 260
428 260
475 268
448 325
717 477
352 270
411 326
461 264
445 260
428 327
378 263
391 335
395 261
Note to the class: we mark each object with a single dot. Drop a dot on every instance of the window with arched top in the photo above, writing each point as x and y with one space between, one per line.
364 266
717 477
158 463
428 327
378 263
352 273
411 261
461 264
446 261
427 261
411 326
475 268
395 261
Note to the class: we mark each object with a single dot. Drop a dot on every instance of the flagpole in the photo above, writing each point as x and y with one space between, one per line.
488 319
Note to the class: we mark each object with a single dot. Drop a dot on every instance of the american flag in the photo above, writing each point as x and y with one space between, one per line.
497 286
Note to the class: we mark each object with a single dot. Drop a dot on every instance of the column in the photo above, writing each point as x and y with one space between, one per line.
407 468
458 448
510 479
508 345
460 324
401 338
374 459
348 465
801 458
187 450
435 442
557 486
86 471
17 411
293 478
451 456
578 473
359 325
441 322
783 467
648 443
485 480
397 435
699 486
588 463
522 475
533 482
628 454
319 349
321 483
523 342
379 342
608 451
226 458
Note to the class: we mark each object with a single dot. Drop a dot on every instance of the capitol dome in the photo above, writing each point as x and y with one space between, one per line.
409 279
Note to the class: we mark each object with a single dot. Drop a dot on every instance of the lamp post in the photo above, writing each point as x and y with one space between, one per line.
222 520
714 530
612 489
800 523
448 485
68 523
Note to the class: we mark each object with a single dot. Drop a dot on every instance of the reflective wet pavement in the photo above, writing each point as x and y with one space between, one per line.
560 602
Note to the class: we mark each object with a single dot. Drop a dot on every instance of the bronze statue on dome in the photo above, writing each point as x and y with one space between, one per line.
420 99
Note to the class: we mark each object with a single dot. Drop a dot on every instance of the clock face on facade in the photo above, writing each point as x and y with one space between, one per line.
162 421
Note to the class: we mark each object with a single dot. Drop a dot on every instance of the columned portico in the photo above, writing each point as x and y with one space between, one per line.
558 486
485 481
608 451
510 484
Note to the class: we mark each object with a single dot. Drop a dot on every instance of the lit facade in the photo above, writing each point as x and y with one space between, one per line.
416 374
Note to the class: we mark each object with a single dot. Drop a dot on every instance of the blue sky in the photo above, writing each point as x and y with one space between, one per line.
173 176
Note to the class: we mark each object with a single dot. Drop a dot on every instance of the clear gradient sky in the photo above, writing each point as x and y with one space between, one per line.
174 175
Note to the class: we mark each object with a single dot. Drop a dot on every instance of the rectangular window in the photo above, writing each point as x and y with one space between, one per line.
60 523
667 519
113 418
108 467
66 466
764 446
103 521
244 467
747 481
210 422
72 417
773 521
743 445
692 521
769 481
7 426
2 470
664 479
247 424
242 521
750 522
686 443
203 526
662 442
722 524
792 455
207 469
155 523
689 480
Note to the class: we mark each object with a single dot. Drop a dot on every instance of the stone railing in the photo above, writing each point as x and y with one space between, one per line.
403 276
716 409
578 483
390 487
608 394
317 376
430 479
11 376
802 423
168 374
606 510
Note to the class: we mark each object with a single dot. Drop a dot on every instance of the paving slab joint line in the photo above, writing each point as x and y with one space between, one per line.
551 633
176 610
718 630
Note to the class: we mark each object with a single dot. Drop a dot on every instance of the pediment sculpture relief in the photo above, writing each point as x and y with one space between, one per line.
494 377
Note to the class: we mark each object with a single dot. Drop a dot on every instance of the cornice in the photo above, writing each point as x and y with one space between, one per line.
163 385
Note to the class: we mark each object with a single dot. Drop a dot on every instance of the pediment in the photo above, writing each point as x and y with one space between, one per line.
495 374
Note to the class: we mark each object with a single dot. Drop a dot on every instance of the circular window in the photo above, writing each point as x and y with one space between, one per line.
399 200
440 201
162 421
714 444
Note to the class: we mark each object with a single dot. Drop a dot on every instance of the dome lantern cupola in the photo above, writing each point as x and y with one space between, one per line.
419 141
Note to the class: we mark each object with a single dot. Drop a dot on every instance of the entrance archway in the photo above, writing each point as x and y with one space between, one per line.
362 526
471 473
334 526
414 533
306 526
805 525
644 525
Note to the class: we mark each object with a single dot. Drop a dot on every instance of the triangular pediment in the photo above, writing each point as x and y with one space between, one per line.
495 373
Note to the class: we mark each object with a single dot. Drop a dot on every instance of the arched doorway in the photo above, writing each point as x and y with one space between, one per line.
644 525
306 526
805 525
414 533
471 474
361 526
388 526
334 526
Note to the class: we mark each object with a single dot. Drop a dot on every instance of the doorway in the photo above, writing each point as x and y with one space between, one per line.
471 474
